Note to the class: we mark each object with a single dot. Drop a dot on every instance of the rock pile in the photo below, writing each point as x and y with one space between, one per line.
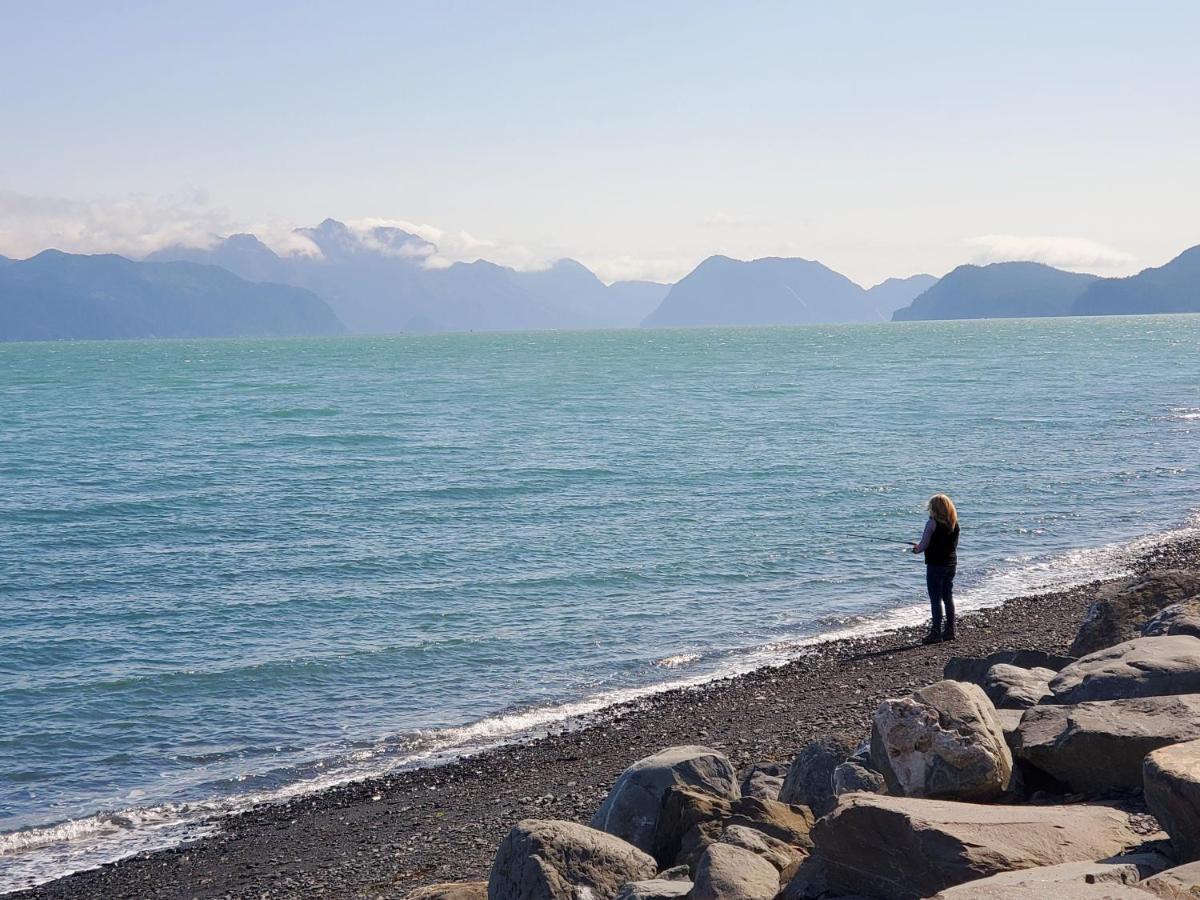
1020 775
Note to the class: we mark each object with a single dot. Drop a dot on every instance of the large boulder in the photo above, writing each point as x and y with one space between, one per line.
944 741
764 780
784 857
633 806
543 859
1098 746
1172 785
726 872
810 779
902 848
457 890
1179 883
974 668
690 821
1011 687
1178 618
655 889
1065 881
1142 667
1120 608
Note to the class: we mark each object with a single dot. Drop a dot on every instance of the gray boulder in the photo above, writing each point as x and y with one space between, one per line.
809 781
726 872
902 848
764 780
465 890
655 889
1099 746
633 806
1172 786
1120 608
973 668
544 859
1178 618
942 742
1179 883
1142 667
851 777
1011 687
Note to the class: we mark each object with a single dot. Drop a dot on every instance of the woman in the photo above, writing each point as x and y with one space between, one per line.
939 543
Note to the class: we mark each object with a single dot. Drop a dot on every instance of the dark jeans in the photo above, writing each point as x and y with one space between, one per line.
940 582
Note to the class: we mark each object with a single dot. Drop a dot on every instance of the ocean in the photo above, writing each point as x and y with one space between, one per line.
232 571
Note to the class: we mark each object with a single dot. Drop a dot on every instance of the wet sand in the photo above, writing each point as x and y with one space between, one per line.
385 836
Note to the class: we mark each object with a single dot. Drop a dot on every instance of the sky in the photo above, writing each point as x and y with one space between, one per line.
880 138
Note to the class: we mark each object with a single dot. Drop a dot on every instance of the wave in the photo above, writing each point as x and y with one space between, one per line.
36 855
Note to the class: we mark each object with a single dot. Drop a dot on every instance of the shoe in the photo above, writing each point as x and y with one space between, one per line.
948 633
932 638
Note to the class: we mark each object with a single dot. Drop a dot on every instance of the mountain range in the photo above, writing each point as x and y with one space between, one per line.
1015 289
63 296
386 280
378 282
778 291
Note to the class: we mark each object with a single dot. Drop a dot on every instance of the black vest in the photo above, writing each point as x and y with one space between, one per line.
943 547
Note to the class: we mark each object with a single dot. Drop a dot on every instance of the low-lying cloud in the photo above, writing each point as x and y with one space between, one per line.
1061 252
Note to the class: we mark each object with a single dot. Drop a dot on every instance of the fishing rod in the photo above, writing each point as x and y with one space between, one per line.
877 538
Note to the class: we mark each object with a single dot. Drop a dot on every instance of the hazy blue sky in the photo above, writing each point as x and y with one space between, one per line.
880 138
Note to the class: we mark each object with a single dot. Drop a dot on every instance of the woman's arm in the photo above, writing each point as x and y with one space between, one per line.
930 527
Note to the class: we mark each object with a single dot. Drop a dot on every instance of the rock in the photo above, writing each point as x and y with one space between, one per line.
783 821
1142 667
1172 785
810 779
851 777
1099 746
764 780
904 848
655 889
1011 687
973 669
710 817
782 856
675 873
1179 883
1010 721
726 872
633 806
690 821
943 741
1122 607
544 859
467 890
1178 618
1059 881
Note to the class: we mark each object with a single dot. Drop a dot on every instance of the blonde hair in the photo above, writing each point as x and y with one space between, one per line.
942 508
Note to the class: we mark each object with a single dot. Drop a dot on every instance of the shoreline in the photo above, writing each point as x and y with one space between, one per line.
386 835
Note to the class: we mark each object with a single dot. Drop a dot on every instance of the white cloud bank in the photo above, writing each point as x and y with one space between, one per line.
1061 252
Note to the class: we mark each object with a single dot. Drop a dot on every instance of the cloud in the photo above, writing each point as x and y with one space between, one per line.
451 246
725 220
1063 252
630 268
134 225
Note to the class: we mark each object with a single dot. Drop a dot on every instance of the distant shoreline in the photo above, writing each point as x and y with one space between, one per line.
387 835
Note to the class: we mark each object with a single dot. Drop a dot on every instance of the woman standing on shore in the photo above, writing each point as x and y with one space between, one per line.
939 543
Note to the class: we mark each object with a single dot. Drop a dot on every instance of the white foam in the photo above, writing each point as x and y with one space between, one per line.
37 855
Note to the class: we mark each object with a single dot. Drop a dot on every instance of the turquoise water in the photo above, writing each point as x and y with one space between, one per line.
237 569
